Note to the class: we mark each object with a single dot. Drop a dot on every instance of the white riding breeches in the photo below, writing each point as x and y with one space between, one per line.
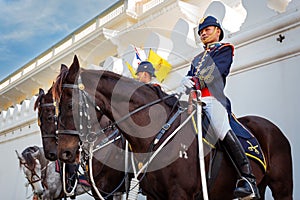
218 116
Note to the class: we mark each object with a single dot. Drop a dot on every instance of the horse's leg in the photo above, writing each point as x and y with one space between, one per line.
94 194
281 180
150 198
46 195
279 175
280 170
117 196
177 193
262 188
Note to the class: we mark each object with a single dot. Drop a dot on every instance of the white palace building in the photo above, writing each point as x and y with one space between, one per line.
264 79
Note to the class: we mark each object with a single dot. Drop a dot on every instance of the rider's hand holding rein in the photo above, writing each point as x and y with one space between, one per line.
187 82
185 86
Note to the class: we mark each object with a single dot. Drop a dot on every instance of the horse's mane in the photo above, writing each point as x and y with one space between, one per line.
154 87
150 87
57 85
115 76
171 101
27 155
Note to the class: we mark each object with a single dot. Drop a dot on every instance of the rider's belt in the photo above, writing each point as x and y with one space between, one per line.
205 92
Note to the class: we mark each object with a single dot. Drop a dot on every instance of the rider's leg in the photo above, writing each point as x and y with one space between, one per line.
220 122
247 184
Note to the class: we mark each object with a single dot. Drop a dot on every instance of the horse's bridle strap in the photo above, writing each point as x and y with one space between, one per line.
47 104
49 136
68 132
72 86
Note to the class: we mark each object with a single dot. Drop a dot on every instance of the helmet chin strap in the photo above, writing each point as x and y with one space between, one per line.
212 35
143 76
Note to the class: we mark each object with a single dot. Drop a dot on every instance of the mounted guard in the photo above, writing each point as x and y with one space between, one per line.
145 72
208 73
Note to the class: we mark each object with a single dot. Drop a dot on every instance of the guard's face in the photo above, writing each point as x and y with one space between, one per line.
210 34
144 77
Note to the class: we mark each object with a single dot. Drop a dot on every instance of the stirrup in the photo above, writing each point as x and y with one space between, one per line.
252 195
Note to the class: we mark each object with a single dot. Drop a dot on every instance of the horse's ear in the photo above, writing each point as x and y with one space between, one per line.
75 59
41 93
63 67
36 152
75 62
18 155
74 68
21 160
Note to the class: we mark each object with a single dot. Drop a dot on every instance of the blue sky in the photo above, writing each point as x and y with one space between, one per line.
30 27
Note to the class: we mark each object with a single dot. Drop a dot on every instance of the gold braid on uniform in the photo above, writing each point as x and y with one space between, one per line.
205 75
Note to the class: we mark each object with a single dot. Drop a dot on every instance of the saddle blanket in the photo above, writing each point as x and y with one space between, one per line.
249 142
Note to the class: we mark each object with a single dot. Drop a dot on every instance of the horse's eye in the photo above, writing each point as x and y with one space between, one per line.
50 118
70 106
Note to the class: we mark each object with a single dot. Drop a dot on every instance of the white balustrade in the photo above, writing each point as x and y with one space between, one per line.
18 116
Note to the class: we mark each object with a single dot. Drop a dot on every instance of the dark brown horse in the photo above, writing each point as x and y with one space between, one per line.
170 175
47 120
109 181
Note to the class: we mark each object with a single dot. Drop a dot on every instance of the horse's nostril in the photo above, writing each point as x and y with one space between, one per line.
52 156
67 156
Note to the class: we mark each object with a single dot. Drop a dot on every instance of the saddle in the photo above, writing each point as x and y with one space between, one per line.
250 144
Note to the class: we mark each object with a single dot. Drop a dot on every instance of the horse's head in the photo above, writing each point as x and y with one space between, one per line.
68 139
47 121
76 112
32 168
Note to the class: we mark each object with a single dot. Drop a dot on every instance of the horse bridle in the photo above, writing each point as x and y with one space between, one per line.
84 99
33 173
55 118
83 109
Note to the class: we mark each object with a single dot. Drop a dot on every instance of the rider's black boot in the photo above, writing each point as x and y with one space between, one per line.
246 186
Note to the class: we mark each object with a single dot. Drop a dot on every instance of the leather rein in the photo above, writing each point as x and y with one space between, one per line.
85 99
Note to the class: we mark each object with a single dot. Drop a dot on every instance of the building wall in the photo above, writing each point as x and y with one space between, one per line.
264 81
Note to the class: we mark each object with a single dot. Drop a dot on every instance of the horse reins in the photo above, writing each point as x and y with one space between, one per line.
83 95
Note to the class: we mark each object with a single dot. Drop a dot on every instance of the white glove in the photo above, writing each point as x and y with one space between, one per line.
187 82
180 90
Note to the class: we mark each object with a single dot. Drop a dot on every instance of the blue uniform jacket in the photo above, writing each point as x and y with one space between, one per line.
212 67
